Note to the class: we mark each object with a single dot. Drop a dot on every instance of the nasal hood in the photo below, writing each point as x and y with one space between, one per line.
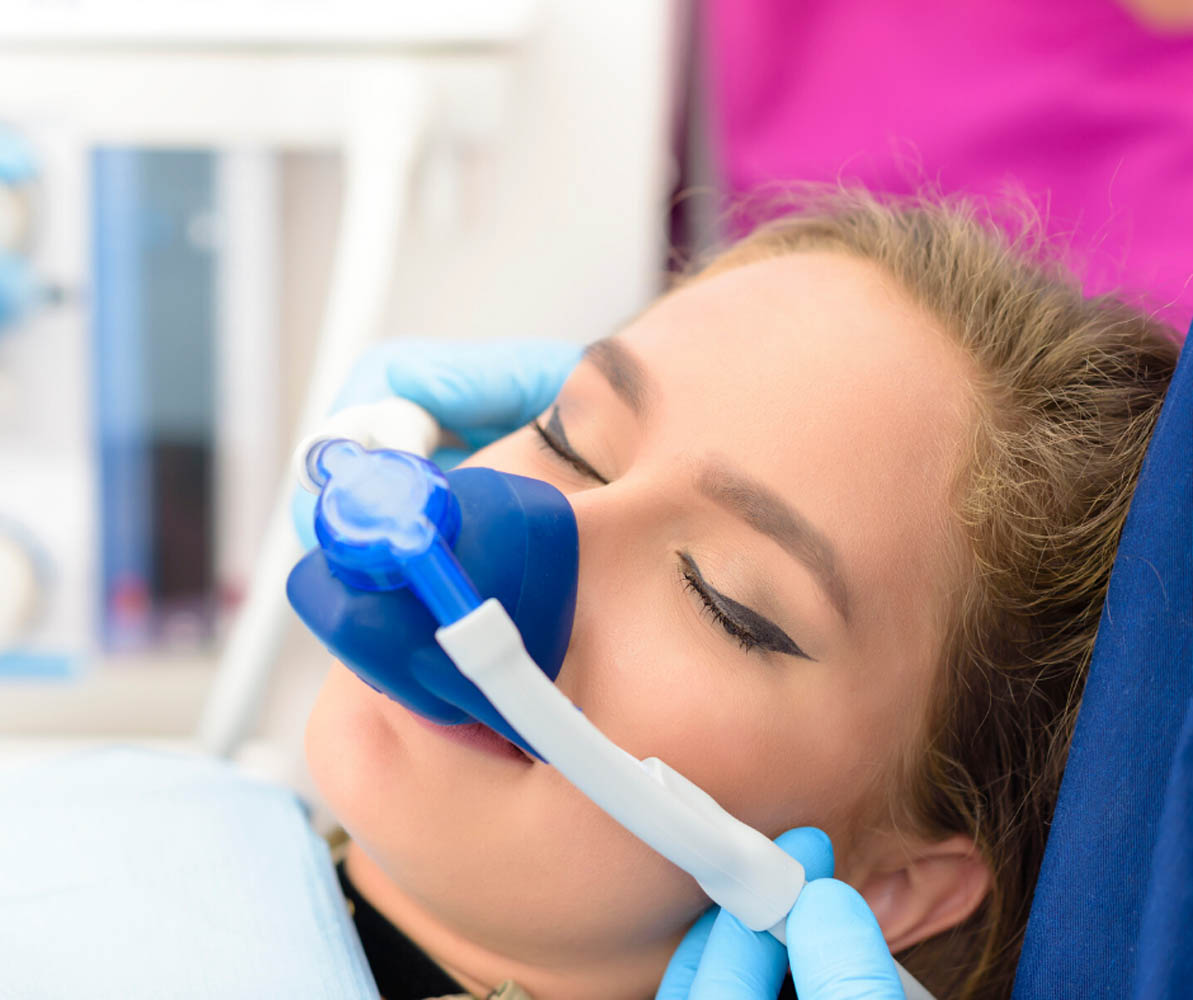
517 542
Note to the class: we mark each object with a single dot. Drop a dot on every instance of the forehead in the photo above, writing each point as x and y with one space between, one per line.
822 379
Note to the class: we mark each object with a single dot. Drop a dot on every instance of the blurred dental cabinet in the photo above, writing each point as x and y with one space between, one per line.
206 212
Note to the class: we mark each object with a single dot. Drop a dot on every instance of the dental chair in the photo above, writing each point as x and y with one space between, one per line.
1112 914
131 874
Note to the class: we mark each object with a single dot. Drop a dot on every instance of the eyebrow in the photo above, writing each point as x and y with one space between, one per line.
623 371
765 511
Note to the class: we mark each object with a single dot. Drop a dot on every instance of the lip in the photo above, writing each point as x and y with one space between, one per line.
477 736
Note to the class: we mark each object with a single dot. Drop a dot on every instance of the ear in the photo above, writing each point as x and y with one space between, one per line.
921 888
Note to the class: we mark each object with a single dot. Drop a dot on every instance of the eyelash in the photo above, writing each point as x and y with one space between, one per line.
548 443
746 639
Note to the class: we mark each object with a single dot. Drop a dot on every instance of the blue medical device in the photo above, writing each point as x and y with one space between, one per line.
419 549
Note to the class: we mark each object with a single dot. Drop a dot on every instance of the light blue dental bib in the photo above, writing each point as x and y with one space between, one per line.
127 874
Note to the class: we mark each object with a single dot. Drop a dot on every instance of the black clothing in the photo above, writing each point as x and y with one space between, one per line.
403 970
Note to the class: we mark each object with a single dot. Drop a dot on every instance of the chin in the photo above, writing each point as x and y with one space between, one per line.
467 838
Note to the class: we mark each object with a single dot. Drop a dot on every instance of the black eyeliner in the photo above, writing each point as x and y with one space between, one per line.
557 440
762 631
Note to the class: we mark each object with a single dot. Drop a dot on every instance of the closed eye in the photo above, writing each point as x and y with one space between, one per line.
555 439
749 628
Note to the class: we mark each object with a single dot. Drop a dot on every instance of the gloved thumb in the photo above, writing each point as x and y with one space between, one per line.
727 960
836 948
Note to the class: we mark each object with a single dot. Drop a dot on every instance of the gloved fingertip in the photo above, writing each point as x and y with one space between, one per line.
562 357
835 901
812 848
836 947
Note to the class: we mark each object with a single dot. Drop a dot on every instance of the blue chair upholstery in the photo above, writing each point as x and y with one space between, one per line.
1113 908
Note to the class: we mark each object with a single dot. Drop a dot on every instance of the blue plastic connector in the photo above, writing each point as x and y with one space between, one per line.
387 519
404 549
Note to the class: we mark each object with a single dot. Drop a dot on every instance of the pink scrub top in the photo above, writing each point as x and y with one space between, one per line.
1074 103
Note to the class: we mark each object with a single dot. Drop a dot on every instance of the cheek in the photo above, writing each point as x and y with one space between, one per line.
776 743
369 771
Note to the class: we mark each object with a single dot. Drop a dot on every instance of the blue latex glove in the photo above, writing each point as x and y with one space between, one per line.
834 946
479 391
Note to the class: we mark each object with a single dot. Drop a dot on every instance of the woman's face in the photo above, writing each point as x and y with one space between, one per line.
779 441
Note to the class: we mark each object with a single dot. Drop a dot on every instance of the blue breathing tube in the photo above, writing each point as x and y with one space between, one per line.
405 549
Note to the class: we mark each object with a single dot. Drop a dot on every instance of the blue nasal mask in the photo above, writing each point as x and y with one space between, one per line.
404 549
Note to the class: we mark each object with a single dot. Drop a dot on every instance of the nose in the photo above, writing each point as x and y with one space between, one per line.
620 527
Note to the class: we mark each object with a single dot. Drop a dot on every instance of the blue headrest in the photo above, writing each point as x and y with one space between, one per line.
1113 909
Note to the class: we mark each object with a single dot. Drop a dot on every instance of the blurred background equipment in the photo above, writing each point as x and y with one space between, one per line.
18 170
245 195
153 332
28 573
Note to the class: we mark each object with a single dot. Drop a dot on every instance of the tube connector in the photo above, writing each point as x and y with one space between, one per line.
388 519
394 423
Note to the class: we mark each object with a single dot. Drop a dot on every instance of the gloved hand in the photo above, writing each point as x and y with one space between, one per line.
478 391
834 946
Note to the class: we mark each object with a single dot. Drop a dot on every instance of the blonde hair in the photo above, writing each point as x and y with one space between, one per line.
1068 391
